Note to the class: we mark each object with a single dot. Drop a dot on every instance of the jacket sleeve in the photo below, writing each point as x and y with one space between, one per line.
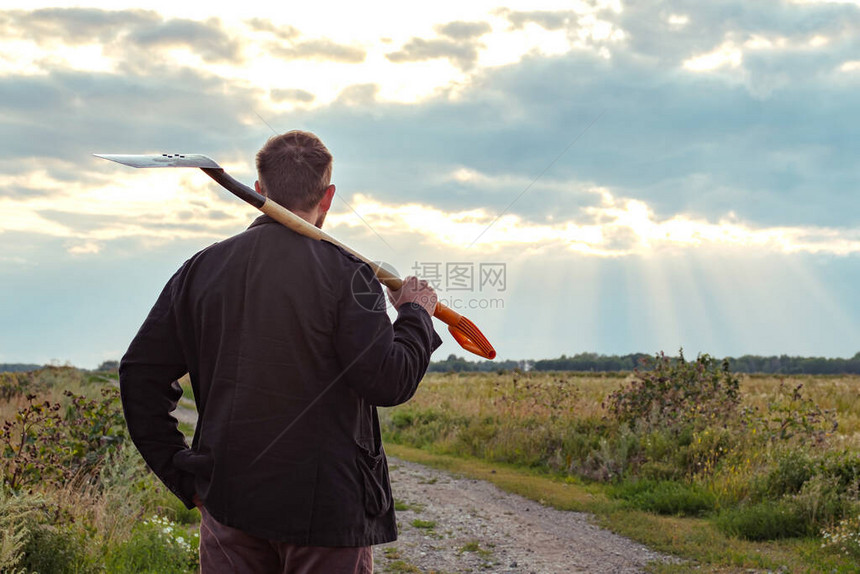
382 362
150 391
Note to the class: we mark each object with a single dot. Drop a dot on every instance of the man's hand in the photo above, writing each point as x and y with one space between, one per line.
414 291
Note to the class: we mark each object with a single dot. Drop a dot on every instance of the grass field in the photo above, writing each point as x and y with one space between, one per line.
732 473
765 476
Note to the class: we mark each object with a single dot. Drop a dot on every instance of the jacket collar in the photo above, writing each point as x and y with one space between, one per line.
263 219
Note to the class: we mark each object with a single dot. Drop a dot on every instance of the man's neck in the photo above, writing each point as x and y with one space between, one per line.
312 217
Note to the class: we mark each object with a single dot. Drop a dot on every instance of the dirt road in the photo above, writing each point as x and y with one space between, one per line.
453 524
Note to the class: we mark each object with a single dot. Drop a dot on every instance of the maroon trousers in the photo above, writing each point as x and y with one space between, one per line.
227 550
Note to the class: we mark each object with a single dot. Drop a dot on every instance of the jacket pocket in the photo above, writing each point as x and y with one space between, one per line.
374 474
200 465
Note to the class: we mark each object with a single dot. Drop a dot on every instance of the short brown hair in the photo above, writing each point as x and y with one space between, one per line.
294 169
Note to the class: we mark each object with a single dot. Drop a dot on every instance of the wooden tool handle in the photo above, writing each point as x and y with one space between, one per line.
462 329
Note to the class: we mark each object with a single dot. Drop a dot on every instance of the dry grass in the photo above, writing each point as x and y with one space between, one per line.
838 393
542 395
49 384
518 395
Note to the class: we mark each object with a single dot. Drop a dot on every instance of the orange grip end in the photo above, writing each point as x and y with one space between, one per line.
447 315
465 332
487 351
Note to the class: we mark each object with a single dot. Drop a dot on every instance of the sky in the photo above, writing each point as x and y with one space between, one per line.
579 176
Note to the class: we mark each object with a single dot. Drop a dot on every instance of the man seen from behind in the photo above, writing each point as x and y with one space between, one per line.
289 351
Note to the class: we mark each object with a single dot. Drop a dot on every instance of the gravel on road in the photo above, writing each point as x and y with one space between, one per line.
453 524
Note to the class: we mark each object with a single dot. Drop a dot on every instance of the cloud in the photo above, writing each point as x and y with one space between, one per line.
680 141
459 45
459 30
290 44
358 95
546 19
291 95
208 39
321 49
266 25
74 25
700 144
752 162
684 30
463 55
65 116
618 227
125 33
152 205
590 26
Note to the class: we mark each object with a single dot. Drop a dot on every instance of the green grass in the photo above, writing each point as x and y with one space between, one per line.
475 547
665 497
401 566
187 429
423 524
763 521
402 506
395 563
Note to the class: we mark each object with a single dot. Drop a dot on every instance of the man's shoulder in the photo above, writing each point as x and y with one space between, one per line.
344 254
271 239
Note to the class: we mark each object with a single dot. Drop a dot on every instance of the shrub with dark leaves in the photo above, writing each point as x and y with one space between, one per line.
678 395
44 444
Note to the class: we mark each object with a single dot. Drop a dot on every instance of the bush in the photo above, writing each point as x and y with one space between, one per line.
96 526
685 413
56 549
793 419
167 505
821 502
44 445
676 394
92 486
666 497
793 468
419 428
611 458
763 521
843 466
14 384
157 546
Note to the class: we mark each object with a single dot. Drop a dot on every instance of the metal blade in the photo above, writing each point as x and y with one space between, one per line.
161 160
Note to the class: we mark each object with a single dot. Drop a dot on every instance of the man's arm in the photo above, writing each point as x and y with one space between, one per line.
148 376
383 362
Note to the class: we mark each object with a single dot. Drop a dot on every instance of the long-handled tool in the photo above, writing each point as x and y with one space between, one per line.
464 331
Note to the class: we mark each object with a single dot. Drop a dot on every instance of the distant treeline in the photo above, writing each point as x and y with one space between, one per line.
23 367
782 364
17 367
593 362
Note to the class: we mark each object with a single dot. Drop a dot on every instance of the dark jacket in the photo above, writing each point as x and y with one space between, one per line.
289 352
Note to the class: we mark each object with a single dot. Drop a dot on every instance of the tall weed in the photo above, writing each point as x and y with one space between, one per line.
15 513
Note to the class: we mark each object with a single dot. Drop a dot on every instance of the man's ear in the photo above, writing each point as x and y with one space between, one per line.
258 187
325 202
